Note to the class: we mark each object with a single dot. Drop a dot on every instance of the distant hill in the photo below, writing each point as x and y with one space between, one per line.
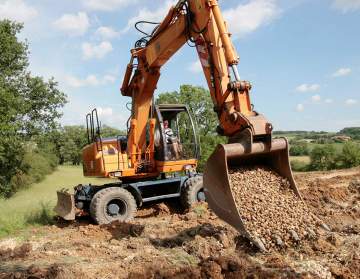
353 132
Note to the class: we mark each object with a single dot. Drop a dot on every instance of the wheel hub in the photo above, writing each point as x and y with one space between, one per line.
201 196
113 209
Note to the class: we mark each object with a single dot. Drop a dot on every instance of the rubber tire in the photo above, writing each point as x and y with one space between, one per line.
190 190
100 200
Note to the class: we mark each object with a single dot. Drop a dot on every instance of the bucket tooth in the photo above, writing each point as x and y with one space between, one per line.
311 233
278 241
325 227
294 235
259 244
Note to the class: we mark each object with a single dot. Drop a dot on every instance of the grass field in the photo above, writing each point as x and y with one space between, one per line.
303 159
34 206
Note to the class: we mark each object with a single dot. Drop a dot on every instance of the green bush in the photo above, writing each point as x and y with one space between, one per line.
350 156
35 165
323 158
299 149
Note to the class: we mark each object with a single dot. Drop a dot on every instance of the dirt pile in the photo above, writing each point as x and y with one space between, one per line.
271 211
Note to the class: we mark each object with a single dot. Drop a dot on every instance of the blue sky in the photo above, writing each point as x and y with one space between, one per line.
302 56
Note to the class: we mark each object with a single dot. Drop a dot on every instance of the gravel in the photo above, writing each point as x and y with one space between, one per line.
270 210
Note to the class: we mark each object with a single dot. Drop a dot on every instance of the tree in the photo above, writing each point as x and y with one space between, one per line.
323 158
299 149
70 140
350 156
353 132
29 106
108 132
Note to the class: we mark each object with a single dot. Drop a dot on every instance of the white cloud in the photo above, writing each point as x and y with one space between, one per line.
351 102
195 67
96 51
113 117
246 18
73 24
329 101
346 5
316 98
342 72
300 107
105 32
109 79
106 111
17 10
90 80
107 5
149 15
308 87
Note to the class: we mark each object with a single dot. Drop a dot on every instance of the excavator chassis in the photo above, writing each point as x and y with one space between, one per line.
216 179
76 204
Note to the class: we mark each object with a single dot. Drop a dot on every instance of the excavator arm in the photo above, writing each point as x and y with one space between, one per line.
200 22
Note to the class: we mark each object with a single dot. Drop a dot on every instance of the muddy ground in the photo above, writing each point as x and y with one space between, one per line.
163 242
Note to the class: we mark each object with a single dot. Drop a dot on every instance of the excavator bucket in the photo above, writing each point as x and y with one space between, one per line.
65 206
219 194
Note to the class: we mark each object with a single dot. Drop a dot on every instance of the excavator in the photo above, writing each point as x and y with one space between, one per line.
149 164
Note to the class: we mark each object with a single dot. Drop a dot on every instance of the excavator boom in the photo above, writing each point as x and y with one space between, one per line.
200 23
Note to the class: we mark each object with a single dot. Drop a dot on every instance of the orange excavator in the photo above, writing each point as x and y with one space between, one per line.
158 157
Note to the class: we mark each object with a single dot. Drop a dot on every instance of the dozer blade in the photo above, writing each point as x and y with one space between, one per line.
65 207
218 191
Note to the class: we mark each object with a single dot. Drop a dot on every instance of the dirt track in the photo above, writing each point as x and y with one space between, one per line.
161 243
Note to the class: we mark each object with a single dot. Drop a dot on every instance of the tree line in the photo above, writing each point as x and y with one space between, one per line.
326 156
30 109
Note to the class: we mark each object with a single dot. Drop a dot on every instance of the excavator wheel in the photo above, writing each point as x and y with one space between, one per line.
193 191
112 204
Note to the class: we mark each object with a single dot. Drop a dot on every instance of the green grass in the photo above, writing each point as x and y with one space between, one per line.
302 159
34 206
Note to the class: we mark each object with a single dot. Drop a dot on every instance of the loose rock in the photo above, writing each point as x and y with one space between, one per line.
269 207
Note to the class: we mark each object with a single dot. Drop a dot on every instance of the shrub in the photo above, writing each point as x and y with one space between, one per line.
323 158
350 156
299 149
35 165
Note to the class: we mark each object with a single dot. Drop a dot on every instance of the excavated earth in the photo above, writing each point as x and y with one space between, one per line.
271 212
164 242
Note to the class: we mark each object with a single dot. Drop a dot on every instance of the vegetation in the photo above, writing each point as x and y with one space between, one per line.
353 132
299 149
329 156
34 206
29 109
323 158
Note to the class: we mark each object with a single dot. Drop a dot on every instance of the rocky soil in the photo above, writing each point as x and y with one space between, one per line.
164 242
271 212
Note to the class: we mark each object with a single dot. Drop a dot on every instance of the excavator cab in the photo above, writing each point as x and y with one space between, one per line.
176 136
